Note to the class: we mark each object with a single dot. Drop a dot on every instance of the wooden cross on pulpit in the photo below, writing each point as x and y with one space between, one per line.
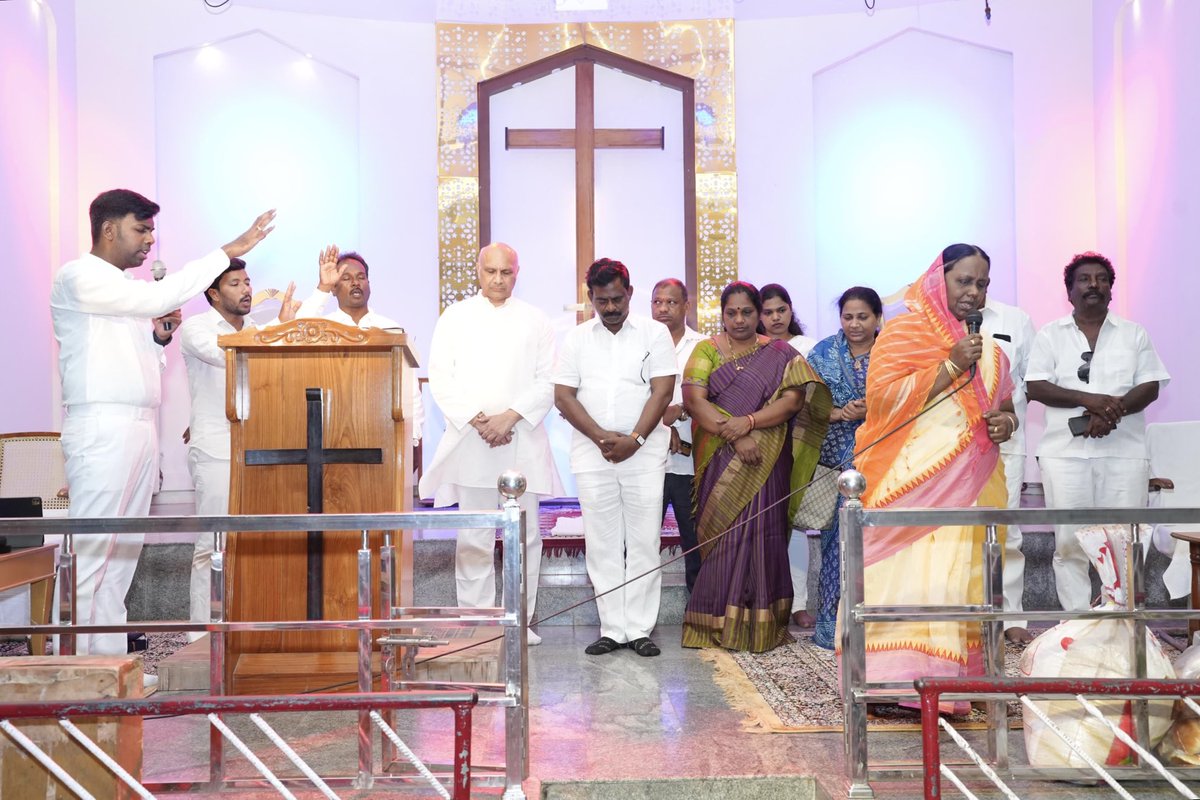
585 139
315 456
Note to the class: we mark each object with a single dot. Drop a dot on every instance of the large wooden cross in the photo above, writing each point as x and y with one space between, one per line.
585 139
315 456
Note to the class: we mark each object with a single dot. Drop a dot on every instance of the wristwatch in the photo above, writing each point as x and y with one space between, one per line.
637 437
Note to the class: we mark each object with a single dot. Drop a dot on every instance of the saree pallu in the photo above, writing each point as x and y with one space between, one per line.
942 459
742 598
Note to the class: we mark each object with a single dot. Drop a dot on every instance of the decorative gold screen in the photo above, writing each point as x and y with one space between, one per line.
700 49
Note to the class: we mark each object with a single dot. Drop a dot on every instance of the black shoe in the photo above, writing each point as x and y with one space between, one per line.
137 642
602 646
644 647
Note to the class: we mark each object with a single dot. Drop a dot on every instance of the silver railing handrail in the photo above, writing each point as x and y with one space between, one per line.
510 616
854 613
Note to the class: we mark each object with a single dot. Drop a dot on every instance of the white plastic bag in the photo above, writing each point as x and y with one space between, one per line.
1093 649
1181 745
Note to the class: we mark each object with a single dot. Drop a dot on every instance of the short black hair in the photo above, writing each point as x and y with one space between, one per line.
1090 257
743 288
353 256
777 290
678 284
234 265
115 204
604 271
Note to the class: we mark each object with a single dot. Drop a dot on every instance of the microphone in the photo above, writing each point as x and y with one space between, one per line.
974 320
159 270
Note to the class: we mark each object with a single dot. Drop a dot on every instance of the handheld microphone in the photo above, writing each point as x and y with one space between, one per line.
974 320
159 270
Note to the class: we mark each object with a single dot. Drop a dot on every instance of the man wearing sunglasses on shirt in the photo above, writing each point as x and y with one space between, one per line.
1095 373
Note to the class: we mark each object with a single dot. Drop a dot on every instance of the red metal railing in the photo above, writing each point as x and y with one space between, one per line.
931 690
461 703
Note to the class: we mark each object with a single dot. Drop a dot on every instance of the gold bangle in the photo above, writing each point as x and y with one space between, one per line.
952 369
751 418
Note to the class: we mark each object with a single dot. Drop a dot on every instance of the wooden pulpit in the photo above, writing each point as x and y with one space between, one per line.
320 418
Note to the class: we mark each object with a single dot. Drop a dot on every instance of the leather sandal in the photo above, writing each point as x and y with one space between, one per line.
602 646
644 647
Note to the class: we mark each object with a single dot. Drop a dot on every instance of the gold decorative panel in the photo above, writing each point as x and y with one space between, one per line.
700 49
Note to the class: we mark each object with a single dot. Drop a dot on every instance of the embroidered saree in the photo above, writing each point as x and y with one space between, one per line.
742 598
943 459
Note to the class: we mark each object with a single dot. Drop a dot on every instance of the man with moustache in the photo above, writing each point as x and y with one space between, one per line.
495 399
1101 370
669 305
207 436
348 278
615 378
111 332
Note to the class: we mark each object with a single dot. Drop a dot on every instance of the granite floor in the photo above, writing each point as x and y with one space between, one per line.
605 726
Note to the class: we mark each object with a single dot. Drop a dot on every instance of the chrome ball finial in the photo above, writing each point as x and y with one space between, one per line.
511 484
852 484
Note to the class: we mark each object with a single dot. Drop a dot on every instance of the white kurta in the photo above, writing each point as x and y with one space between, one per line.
208 448
490 359
111 378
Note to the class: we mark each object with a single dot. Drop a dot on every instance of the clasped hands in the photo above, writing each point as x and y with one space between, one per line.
495 429
735 430
1106 411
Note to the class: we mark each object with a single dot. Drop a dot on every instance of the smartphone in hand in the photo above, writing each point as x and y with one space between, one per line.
1079 425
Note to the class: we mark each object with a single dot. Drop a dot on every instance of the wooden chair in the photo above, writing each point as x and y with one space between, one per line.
31 465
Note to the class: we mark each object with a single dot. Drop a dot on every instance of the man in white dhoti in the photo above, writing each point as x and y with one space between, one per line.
207 437
490 365
1013 331
1096 373
348 278
669 305
615 377
111 331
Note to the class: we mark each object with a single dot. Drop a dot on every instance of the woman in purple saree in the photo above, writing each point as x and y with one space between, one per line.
759 417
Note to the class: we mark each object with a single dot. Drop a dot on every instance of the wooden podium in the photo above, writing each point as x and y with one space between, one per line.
320 417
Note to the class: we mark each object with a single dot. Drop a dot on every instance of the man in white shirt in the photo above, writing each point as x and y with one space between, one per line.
1013 331
615 378
1102 371
490 365
348 278
111 330
207 436
669 305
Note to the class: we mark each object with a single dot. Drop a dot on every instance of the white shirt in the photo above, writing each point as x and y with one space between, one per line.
491 358
103 321
205 362
1124 358
612 374
678 463
1001 318
315 304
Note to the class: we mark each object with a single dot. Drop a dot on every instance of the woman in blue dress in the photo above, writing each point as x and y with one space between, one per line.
841 360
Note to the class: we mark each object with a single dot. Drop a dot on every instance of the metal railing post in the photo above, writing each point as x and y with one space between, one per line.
993 644
852 485
366 772
216 650
387 650
1135 600
516 716
930 741
67 614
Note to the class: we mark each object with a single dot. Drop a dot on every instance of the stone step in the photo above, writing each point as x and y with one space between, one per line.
160 586
759 788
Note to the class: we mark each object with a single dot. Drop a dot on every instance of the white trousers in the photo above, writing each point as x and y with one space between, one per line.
622 525
1087 483
798 563
475 553
112 469
1014 559
210 476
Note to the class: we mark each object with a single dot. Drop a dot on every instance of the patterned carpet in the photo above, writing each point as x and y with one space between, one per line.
794 688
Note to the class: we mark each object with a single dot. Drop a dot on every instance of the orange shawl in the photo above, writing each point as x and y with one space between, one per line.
943 459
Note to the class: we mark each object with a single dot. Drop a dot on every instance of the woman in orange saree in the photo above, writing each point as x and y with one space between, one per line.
947 457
